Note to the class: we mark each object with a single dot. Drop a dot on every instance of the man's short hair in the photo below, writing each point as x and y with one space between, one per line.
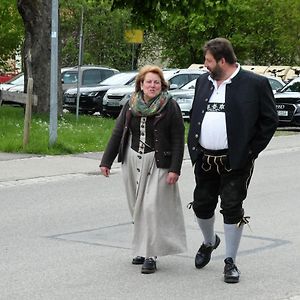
220 48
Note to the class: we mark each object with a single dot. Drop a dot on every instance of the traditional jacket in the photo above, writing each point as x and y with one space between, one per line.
168 138
251 116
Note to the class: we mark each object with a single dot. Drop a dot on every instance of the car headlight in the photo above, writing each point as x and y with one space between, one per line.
93 94
104 101
125 99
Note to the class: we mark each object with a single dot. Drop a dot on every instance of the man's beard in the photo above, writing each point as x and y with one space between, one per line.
216 73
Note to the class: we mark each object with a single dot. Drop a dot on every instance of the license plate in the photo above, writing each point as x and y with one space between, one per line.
69 100
283 113
113 103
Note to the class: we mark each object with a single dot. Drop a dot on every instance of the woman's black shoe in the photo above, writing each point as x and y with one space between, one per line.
138 260
149 266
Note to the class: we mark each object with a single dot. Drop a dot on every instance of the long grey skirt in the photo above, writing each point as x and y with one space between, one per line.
155 207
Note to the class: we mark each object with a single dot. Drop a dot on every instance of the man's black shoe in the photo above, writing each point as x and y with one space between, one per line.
231 272
149 266
138 260
204 254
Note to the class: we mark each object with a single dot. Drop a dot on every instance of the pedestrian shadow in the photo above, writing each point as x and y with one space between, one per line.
120 236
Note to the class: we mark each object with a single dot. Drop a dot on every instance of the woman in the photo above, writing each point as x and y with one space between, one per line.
149 140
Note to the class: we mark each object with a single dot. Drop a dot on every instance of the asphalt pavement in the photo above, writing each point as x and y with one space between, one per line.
66 233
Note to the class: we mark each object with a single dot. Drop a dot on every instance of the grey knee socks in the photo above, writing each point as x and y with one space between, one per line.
233 235
207 228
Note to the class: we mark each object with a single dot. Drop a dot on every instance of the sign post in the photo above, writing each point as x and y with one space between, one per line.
134 36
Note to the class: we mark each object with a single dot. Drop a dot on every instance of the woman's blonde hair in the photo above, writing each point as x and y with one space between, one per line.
153 69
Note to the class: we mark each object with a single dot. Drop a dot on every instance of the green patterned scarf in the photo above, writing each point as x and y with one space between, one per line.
154 106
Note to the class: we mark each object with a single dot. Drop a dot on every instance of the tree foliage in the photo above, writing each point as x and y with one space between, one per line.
262 32
104 41
11 31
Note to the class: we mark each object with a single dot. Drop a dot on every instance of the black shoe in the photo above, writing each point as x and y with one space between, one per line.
149 266
231 272
204 254
138 260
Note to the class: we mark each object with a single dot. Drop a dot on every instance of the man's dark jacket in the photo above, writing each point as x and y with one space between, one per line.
168 138
251 116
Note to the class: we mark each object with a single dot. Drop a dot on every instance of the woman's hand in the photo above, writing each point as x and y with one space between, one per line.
172 177
105 171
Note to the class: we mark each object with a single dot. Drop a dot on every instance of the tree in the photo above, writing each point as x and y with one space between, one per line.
11 32
184 23
36 16
262 32
104 41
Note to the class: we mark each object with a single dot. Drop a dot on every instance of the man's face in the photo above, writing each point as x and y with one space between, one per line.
214 67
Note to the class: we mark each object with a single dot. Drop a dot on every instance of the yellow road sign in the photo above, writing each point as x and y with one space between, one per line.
134 36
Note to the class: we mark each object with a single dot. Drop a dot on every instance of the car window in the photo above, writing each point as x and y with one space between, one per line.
276 85
194 76
70 77
294 87
106 73
190 85
92 76
179 80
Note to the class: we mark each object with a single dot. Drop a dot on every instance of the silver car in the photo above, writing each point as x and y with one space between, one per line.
115 98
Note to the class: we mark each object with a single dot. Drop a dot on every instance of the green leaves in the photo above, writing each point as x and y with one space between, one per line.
11 30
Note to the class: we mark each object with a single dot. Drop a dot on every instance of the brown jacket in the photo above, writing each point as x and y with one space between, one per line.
168 136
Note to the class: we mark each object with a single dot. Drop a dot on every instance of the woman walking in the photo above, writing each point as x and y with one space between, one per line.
149 140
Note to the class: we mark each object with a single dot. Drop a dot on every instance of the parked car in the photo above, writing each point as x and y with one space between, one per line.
185 97
90 75
13 85
288 103
90 99
115 98
15 81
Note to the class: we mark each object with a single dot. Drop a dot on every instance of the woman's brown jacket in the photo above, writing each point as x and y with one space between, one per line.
168 138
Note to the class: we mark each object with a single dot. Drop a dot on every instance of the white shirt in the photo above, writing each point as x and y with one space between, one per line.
213 129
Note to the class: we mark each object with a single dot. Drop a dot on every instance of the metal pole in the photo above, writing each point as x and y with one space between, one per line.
79 64
132 57
54 74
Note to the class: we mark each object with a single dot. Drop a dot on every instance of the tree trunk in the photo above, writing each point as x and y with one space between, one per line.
36 15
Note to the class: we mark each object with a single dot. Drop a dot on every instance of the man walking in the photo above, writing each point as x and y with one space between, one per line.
232 120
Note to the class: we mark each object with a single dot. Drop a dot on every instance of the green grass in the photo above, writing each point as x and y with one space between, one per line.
87 134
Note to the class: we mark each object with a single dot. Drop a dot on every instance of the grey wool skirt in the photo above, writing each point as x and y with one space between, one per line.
155 207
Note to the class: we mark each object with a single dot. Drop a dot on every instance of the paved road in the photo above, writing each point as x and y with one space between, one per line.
66 231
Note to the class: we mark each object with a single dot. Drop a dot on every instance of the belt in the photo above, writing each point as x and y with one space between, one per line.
221 152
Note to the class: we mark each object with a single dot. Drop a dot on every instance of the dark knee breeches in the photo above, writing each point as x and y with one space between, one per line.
214 178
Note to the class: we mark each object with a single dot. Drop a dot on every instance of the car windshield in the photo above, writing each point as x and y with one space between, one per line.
293 86
189 85
119 79
17 81
275 84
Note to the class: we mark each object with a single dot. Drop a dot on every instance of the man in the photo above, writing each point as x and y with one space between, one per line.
232 120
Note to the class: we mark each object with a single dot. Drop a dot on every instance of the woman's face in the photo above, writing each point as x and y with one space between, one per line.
151 86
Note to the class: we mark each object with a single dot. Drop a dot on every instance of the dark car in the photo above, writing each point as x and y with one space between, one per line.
90 75
90 100
288 103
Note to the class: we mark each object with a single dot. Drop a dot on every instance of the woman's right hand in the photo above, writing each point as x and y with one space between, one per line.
105 171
